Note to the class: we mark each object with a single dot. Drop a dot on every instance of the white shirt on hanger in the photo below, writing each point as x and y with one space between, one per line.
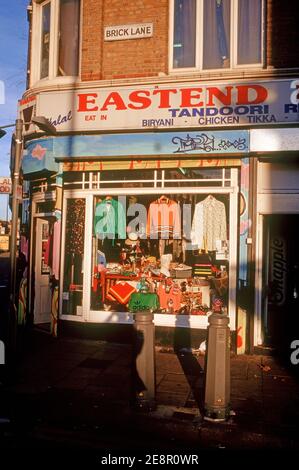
209 223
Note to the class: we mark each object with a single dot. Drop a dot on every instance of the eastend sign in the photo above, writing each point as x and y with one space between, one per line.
173 106
129 31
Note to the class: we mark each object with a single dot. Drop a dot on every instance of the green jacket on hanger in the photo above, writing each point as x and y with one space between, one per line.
110 220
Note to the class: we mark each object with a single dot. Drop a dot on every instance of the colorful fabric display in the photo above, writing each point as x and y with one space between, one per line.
203 270
170 298
121 292
140 302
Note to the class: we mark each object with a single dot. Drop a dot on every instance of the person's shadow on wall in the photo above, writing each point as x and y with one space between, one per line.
194 373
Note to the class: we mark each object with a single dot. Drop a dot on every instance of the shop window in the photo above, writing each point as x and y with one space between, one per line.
216 34
73 257
185 175
45 207
167 253
194 176
56 39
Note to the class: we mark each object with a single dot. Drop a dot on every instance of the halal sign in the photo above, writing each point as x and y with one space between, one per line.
5 185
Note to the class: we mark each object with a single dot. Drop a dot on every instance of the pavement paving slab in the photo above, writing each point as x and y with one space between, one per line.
84 387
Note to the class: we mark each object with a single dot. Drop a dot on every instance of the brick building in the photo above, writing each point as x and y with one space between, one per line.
187 108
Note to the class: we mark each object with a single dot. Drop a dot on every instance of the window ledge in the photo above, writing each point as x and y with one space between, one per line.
69 83
57 81
237 73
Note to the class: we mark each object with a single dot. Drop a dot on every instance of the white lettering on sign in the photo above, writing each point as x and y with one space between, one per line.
5 185
129 31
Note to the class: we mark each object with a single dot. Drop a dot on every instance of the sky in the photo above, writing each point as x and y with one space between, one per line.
13 64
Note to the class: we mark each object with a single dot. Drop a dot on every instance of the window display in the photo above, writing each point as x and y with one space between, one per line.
167 254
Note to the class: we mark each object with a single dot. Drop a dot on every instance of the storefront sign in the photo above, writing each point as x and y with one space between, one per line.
5 185
128 31
201 105
43 154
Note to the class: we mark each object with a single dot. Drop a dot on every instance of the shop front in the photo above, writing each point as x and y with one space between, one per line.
146 199
156 232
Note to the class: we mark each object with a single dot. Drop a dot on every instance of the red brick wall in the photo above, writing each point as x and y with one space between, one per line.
124 59
92 27
282 33
147 57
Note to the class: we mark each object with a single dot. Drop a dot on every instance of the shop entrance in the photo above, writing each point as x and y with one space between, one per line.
42 291
281 280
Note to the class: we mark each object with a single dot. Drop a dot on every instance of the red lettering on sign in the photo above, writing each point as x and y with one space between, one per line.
114 99
143 101
84 100
224 98
164 97
243 94
190 94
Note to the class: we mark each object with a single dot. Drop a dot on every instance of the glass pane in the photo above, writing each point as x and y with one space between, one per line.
45 268
179 177
169 253
45 40
69 26
216 34
184 35
73 257
249 31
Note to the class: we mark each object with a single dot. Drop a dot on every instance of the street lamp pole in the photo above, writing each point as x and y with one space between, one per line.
15 212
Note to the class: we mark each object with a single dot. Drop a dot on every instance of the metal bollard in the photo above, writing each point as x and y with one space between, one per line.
217 379
145 380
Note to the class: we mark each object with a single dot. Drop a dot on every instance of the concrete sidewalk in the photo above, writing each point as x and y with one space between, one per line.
75 392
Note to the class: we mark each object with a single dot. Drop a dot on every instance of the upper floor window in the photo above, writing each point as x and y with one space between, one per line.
69 20
55 39
216 34
45 39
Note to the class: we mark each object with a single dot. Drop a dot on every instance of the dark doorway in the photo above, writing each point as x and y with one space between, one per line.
281 280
